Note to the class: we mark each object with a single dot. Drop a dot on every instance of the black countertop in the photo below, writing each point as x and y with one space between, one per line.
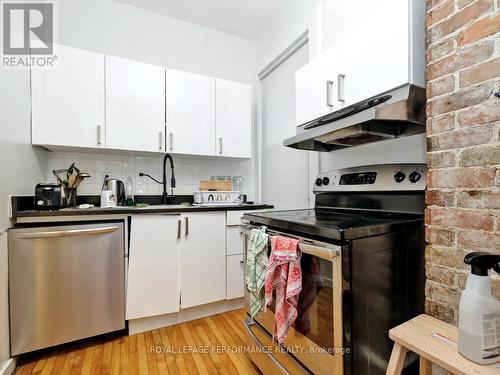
23 207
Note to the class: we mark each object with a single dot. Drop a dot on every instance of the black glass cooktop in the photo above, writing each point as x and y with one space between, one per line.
336 224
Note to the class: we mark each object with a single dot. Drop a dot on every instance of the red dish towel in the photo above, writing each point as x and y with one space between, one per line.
284 275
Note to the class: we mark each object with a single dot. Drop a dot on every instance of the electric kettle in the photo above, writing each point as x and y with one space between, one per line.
117 187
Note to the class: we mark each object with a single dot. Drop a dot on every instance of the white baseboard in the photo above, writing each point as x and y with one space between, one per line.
160 321
8 366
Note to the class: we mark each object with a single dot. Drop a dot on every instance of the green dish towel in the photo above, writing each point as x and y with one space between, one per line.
255 272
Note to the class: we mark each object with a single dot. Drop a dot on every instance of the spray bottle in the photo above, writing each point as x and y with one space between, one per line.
479 312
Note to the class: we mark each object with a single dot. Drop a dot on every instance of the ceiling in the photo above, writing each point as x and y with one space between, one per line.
243 18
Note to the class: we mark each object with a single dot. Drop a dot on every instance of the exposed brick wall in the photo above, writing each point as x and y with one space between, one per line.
463 126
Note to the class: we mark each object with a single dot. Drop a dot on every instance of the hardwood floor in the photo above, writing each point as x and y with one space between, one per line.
204 346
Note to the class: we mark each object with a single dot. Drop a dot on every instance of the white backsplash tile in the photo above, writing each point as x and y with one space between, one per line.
188 170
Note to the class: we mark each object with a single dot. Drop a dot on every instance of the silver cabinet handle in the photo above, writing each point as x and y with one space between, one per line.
329 86
220 145
264 349
160 138
186 219
171 140
99 131
179 229
340 88
67 233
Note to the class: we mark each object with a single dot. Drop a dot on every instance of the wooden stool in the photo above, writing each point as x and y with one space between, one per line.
435 342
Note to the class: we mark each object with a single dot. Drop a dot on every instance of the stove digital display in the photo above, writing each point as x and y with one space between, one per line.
362 178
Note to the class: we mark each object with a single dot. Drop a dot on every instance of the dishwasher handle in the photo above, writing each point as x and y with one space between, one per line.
67 233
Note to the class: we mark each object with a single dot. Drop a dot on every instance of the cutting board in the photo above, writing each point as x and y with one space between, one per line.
206 185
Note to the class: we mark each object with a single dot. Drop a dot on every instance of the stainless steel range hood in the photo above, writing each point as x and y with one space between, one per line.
397 113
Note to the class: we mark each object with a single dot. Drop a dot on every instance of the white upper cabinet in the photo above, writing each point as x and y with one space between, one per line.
68 100
373 62
190 113
372 47
153 286
233 119
316 88
89 100
135 105
203 258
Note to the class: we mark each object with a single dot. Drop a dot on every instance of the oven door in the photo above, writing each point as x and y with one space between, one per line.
315 340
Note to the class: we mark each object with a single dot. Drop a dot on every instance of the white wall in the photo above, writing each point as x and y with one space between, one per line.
115 28
288 24
21 165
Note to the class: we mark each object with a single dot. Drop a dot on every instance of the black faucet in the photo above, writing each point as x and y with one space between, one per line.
165 197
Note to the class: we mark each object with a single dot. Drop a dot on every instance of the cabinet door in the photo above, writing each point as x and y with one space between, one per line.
190 113
316 87
234 241
154 265
203 258
375 64
135 105
68 100
235 283
233 115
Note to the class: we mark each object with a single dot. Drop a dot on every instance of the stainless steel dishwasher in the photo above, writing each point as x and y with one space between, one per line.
65 283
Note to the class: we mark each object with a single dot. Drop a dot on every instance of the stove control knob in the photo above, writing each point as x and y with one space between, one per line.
319 181
326 180
399 177
414 177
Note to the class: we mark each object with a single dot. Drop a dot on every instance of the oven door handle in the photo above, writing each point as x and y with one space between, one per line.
263 348
314 248
318 251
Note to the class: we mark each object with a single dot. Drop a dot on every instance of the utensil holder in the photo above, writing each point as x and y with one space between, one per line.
70 195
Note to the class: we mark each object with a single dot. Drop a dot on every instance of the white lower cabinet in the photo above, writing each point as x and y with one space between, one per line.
203 258
235 246
175 262
235 287
154 266
234 240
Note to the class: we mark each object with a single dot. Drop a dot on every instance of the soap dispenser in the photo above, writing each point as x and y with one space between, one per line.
479 311
129 192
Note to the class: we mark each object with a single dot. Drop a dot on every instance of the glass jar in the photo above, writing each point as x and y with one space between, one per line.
237 183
